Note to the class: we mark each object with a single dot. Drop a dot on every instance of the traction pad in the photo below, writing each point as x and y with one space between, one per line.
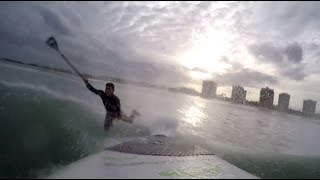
159 146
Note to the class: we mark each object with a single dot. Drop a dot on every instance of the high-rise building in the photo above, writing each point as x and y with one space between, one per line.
283 101
209 89
238 94
266 97
309 107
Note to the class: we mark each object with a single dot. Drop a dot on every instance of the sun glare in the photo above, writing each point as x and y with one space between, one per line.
207 51
200 75
192 113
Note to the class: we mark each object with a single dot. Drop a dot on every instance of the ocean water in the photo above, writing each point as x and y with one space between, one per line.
48 120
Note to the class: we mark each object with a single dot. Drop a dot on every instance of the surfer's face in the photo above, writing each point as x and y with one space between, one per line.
109 90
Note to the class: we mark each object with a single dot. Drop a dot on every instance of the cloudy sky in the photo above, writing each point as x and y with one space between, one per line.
253 44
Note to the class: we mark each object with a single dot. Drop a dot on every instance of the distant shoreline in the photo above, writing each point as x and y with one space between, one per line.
183 90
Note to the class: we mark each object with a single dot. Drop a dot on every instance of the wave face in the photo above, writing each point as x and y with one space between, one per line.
38 130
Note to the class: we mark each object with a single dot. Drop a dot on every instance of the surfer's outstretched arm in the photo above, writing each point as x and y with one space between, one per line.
92 89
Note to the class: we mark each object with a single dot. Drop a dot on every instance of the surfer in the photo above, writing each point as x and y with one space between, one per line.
111 102
112 105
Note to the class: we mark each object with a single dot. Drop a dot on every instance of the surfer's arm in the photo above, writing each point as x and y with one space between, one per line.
92 89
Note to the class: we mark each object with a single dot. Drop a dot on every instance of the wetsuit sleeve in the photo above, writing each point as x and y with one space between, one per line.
92 89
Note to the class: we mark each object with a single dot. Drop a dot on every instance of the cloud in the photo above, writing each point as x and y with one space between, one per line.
199 70
225 60
267 52
295 72
244 77
294 52
288 20
276 54
312 46
54 21
286 59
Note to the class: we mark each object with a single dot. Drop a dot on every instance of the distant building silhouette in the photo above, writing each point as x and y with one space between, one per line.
238 94
309 107
209 89
283 102
266 97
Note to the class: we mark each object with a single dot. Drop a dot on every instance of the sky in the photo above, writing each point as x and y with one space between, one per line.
252 44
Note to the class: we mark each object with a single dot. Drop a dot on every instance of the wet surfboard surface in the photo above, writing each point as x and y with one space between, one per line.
153 157
160 146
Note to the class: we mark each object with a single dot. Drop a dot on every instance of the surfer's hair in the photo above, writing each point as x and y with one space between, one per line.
110 85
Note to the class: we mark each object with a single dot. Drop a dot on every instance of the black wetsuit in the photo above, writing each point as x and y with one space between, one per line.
111 104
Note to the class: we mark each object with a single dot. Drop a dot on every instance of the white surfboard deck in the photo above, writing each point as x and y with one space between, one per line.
112 164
